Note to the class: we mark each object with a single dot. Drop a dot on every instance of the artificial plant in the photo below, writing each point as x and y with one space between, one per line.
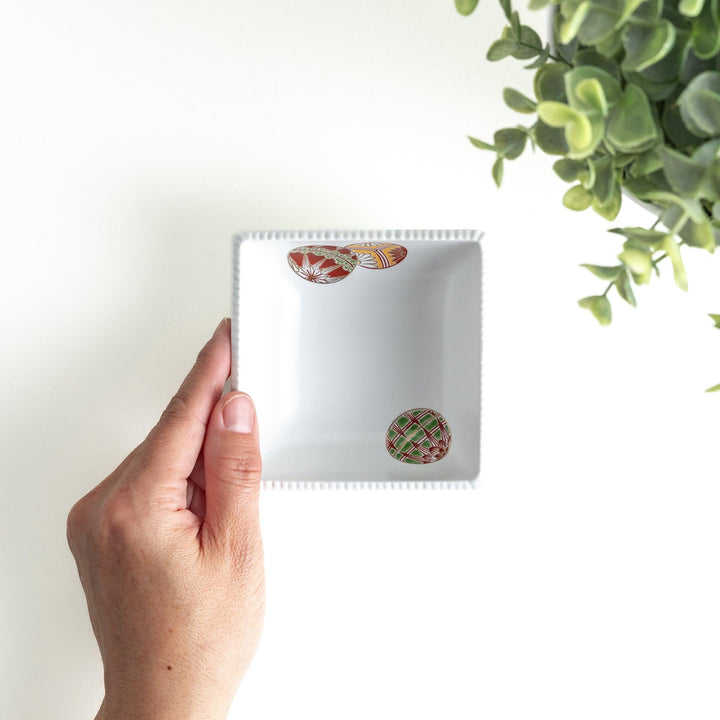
627 95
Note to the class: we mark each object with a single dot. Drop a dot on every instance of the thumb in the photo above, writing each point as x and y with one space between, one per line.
232 471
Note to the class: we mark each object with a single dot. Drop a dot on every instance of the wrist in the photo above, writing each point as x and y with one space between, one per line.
161 703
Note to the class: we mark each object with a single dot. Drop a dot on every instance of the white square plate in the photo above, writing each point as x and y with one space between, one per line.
334 346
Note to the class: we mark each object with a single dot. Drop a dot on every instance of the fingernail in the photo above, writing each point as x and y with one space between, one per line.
221 325
239 414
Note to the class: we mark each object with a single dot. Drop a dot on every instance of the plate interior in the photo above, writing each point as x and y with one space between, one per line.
331 365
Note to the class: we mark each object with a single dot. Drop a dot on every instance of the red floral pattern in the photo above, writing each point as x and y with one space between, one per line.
322 264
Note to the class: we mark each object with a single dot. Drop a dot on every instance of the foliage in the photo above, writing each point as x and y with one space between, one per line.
716 320
628 98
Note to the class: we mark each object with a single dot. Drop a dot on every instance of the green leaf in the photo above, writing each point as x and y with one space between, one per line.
699 235
538 4
541 59
592 58
578 198
673 250
571 26
582 134
690 8
708 153
465 7
506 7
609 208
581 88
588 178
517 101
611 44
684 174
511 142
668 199
558 114
647 238
483 145
501 49
497 171
624 288
621 161
631 126
656 90
637 8
569 170
650 11
646 45
696 233
646 163
669 67
705 112
550 140
637 261
676 130
714 388
590 93
599 306
706 31
604 272
549 82
604 184
515 26
529 44
643 187
715 319
694 65
600 22
566 53
700 105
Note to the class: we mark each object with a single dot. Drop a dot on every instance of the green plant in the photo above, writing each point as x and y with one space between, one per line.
716 320
628 96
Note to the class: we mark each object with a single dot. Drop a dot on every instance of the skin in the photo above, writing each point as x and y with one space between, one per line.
170 556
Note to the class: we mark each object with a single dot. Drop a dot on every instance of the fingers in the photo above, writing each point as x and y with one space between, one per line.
172 447
232 472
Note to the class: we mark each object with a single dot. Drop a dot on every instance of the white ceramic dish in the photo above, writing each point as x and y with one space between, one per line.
332 364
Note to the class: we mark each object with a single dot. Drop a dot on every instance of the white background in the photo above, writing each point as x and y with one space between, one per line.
579 581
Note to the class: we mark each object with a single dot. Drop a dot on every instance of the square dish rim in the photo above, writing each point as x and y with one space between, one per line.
348 236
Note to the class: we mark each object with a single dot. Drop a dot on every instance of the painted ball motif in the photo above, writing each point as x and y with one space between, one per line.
378 255
322 264
418 436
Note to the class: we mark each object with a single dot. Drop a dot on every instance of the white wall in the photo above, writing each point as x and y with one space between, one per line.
579 581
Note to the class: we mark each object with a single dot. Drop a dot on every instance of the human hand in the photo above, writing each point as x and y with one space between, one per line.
169 554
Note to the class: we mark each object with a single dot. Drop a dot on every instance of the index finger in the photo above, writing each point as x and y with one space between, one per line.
173 445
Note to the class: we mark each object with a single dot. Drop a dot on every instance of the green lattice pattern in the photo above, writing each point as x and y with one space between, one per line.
418 437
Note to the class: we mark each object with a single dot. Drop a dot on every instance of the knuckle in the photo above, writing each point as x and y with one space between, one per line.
178 408
178 413
116 524
242 468
76 523
204 355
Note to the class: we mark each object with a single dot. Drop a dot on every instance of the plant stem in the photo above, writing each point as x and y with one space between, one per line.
680 224
540 50
662 257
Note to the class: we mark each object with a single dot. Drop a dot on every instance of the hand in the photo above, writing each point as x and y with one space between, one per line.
169 553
